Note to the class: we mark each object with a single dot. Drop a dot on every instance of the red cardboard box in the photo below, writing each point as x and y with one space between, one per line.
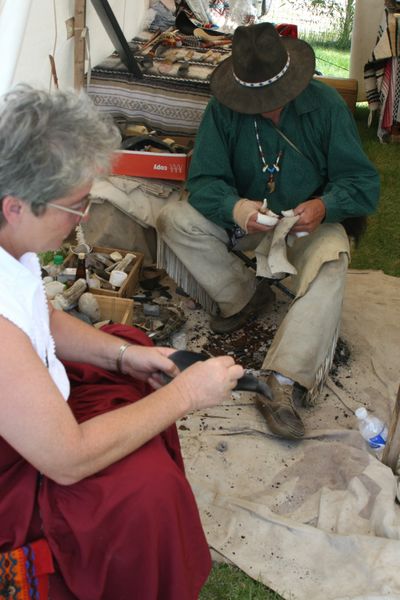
155 165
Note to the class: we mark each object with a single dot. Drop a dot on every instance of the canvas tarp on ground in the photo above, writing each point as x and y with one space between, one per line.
316 519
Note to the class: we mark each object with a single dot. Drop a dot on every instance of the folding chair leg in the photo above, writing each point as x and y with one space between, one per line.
251 262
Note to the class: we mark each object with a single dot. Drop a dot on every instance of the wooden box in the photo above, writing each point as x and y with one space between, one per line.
129 286
347 88
118 310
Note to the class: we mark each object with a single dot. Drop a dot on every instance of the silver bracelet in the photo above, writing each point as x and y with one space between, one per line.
121 351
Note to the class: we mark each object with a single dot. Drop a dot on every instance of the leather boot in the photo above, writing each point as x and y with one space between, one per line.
280 414
260 302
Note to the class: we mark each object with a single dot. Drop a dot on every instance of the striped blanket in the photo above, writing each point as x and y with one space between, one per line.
382 76
171 96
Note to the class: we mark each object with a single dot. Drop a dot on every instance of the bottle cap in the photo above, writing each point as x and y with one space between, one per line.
81 255
58 259
361 412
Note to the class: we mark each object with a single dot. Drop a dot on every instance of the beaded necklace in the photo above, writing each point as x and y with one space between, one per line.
271 169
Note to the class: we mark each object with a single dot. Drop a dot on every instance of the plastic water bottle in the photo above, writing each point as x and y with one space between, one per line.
373 430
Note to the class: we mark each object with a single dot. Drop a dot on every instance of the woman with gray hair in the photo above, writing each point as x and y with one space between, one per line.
94 499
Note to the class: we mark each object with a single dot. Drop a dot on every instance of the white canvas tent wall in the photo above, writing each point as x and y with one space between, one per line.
30 30
367 17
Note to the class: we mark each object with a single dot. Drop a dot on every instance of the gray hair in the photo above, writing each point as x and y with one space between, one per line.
51 144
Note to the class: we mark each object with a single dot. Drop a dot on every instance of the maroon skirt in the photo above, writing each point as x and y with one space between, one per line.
131 531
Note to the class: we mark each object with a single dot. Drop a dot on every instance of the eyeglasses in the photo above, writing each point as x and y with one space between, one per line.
73 211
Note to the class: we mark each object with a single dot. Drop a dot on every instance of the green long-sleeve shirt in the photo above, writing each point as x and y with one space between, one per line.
227 165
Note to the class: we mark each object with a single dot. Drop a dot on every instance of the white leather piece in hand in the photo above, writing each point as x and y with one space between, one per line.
272 259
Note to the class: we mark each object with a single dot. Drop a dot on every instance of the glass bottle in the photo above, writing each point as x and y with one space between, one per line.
81 267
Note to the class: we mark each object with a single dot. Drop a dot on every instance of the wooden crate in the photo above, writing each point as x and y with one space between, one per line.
129 287
118 310
347 88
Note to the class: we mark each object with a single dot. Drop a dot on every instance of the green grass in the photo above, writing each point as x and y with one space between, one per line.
380 246
331 62
229 583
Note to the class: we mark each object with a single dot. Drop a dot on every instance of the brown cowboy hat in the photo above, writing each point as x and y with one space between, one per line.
264 72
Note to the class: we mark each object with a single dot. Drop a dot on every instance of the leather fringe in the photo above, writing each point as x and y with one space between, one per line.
322 373
166 259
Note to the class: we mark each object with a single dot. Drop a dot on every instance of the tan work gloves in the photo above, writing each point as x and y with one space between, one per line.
243 210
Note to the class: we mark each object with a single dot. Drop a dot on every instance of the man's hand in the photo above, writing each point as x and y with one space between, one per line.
254 227
244 210
312 213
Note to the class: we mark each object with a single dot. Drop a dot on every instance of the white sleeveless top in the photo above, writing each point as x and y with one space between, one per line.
23 302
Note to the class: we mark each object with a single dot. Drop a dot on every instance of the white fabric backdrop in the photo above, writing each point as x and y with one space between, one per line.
367 17
12 32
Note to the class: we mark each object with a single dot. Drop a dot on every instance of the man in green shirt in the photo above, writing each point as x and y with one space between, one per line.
272 139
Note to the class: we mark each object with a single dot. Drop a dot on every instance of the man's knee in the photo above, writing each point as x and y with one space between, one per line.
174 215
339 265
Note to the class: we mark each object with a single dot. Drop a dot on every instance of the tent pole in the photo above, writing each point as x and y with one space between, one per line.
80 45
391 451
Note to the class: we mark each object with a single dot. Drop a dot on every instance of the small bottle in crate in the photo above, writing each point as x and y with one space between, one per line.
81 267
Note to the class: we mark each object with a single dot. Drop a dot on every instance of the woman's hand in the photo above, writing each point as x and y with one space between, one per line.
148 364
208 383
